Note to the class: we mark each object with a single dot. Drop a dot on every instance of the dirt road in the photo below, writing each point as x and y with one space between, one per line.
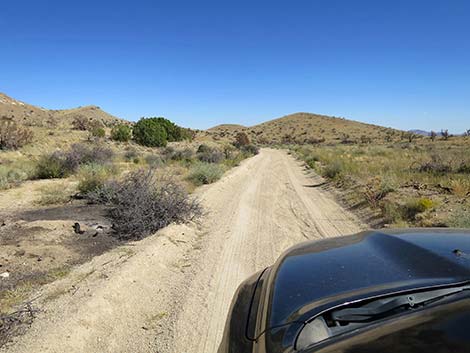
171 292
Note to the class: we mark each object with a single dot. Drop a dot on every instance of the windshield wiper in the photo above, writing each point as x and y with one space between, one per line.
382 307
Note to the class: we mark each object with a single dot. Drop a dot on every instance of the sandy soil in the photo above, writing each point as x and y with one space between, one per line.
171 291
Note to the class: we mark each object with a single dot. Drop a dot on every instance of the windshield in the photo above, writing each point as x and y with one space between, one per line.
350 317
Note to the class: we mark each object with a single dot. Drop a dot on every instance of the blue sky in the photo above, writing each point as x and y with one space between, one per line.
404 64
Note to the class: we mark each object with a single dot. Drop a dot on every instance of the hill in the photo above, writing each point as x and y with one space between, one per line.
52 129
30 115
308 128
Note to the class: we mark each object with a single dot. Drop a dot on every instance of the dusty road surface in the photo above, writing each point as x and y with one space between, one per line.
171 292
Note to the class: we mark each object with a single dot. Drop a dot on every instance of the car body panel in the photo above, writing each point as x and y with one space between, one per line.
316 276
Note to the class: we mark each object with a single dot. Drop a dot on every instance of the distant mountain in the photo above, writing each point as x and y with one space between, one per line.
428 133
420 132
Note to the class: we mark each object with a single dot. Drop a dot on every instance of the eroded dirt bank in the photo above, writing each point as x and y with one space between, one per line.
171 292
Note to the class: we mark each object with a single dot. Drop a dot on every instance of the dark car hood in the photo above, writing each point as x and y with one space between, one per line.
316 276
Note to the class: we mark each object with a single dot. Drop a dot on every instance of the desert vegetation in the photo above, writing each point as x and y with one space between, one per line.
425 184
121 133
90 182
13 135
157 132
143 202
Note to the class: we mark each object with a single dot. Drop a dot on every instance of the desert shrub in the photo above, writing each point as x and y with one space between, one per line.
436 165
80 154
141 204
205 173
250 149
392 213
92 177
333 170
203 149
61 164
154 160
13 136
185 154
241 139
121 132
229 151
130 154
52 166
98 132
167 152
173 131
83 123
464 168
80 122
13 175
416 206
375 189
234 160
311 160
210 155
156 132
150 132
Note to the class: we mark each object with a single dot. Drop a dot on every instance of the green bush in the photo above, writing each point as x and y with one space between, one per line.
93 176
205 173
52 166
121 132
150 132
173 131
98 132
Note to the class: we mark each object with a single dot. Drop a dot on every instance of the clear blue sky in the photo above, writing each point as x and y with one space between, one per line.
400 63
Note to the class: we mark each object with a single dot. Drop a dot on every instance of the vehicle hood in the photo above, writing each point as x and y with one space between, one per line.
317 276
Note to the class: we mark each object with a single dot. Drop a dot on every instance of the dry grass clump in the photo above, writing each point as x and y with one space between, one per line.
55 194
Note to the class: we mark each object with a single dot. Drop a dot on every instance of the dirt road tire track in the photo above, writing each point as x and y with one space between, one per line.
171 292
